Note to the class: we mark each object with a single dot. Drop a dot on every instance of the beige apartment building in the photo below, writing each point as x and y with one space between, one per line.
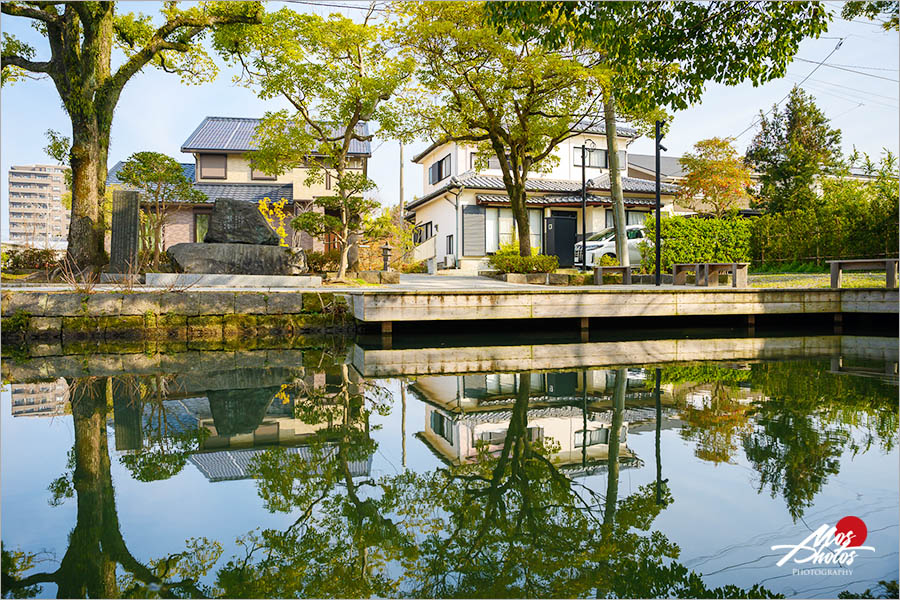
43 399
36 215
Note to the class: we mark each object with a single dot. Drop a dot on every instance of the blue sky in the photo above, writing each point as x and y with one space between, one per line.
157 112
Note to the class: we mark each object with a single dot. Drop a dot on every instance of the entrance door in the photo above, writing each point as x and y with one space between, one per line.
559 233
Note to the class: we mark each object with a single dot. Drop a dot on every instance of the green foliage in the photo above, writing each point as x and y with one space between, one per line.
693 239
322 262
16 259
160 181
792 150
716 178
607 260
419 267
638 37
513 263
852 218
507 98
885 11
337 75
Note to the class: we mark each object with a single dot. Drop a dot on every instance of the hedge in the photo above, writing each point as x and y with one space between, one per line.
692 239
513 263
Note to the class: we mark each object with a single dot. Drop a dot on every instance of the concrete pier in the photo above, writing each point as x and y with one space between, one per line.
644 301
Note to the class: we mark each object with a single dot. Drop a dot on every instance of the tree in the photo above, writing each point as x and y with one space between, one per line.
792 150
716 177
160 181
511 99
663 54
885 11
81 37
338 75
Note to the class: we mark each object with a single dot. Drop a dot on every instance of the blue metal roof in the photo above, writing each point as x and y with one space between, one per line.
235 134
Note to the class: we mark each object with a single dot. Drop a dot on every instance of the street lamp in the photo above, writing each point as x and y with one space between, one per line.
588 146
659 146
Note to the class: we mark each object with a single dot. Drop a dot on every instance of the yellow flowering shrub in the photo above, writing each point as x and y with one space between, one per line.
275 216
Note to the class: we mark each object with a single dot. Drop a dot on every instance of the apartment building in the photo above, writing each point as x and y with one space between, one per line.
222 149
43 399
36 214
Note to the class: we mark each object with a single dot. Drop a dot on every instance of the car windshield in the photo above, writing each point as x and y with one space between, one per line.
604 235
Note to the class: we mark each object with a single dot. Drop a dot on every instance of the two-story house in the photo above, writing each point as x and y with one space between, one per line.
222 148
468 211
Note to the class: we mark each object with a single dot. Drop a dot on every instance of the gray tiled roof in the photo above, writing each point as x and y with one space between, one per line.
250 192
472 180
235 134
112 176
228 465
633 185
562 200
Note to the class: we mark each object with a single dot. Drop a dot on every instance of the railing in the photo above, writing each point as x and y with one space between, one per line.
426 250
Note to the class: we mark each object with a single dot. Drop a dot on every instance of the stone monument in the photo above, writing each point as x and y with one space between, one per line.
125 234
239 241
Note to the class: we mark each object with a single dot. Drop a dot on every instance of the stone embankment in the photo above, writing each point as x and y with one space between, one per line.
169 321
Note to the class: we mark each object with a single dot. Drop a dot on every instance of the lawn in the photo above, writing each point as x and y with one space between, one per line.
815 280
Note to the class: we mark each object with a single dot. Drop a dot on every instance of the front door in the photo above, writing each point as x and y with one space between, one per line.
559 233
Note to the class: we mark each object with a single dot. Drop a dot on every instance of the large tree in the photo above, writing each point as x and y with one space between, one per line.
338 75
662 54
511 99
716 178
81 37
794 147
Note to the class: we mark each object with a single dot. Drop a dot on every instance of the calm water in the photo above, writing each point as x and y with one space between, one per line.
291 474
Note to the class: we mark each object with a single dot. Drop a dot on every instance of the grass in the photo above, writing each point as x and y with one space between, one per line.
815 280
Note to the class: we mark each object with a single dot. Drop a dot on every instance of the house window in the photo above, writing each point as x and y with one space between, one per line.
594 437
422 233
260 176
595 157
213 166
472 156
500 228
327 180
442 426
449 245
635 217
439 170
201 225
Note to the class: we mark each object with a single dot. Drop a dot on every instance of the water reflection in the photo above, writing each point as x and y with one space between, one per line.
527 500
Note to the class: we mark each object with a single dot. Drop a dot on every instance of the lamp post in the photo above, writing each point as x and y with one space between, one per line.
659 146
588 146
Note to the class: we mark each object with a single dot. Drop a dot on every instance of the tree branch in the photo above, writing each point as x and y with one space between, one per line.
14 60
16 10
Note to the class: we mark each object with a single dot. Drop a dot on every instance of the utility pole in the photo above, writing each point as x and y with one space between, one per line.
402 201
583 212
659 146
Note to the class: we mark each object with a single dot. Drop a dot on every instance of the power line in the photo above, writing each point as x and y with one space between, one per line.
848 70
362 6
852 89
755 121
894 69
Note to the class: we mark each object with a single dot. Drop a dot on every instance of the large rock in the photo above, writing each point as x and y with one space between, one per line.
239 222
237 259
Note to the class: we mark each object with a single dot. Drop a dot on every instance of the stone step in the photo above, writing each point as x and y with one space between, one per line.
232 281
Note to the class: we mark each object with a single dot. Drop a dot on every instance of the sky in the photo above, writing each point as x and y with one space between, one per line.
157 112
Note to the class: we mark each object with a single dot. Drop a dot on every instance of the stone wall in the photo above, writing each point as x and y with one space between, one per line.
48 322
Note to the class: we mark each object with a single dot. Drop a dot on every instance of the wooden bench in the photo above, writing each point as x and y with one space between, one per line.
864 264
708 273
599 272
739 272
680 271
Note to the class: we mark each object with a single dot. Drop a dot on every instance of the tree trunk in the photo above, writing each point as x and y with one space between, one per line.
615 176
88 161
520 214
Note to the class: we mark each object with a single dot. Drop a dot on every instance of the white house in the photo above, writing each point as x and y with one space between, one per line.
467 211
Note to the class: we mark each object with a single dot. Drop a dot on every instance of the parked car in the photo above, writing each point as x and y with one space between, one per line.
604 244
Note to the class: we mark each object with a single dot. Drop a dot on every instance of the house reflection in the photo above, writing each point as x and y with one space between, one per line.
230 426
571 410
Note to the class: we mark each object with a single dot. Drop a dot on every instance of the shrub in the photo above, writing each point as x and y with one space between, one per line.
609 261
321 262
692 239
28 258
418 267
513 263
